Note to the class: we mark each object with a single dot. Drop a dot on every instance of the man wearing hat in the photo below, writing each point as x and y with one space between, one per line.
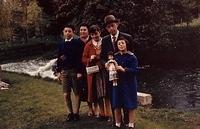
109 45
109 41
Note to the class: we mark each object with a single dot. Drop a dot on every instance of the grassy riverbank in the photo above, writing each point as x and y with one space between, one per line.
33 103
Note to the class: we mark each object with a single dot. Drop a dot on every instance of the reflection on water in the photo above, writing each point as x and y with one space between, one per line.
171 88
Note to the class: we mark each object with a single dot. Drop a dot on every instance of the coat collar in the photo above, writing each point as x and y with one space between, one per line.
128 52
116 36
68 40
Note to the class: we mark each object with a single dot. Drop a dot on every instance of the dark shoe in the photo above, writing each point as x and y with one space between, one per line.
107 118
76 117
70 117
102 118
126 124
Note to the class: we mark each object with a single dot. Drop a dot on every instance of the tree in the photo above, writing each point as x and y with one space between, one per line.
5 30
146 20
20 18
138 17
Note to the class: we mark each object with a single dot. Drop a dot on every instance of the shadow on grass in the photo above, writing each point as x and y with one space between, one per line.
85 122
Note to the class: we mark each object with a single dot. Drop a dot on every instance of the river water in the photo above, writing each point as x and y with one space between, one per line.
170 88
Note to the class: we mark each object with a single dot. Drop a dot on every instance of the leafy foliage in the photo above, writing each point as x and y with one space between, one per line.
146 20
5 31
20 17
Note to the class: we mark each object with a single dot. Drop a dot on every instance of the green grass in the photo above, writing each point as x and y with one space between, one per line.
33 103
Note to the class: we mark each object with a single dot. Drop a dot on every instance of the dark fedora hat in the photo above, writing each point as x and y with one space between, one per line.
110 19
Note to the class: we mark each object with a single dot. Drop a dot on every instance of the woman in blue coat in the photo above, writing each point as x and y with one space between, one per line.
125 94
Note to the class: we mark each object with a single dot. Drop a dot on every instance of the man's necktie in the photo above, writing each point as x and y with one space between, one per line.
113 43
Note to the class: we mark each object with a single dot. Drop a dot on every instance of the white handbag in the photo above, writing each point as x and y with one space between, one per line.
92 69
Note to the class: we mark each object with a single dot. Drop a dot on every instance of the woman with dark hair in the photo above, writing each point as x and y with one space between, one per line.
84 38
96 81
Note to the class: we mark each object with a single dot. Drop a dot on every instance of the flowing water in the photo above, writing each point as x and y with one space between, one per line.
42 68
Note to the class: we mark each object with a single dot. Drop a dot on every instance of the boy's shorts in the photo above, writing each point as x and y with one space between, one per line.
69 81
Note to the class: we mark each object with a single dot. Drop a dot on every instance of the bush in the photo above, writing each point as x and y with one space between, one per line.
17 51
180 48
